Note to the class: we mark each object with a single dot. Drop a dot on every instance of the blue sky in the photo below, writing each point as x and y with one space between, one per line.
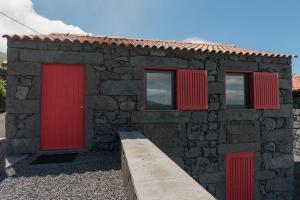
263 25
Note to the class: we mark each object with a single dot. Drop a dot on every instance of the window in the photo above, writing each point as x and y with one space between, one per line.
160 90
237 90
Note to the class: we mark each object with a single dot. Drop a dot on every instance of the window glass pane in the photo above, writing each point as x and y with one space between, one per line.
159 90
235 90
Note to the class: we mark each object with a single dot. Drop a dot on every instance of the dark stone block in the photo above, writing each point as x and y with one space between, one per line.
239 65
212 177
279 135
284 111
240 132
157 61
13 54
236 148
264 175
61 57
35 90
211 136
216 88
24 145
103 128
195 135
239 115
284 161
199 117
160 117
105 138
91 81
23 106
101 103
280 184
162 135
24 68
122 87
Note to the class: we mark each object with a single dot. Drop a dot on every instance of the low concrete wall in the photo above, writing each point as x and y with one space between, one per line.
2 154
2 124
150 174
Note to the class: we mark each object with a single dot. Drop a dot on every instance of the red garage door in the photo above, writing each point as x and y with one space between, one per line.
62 112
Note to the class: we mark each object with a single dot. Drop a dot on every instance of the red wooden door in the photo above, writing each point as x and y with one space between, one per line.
240 176
62 112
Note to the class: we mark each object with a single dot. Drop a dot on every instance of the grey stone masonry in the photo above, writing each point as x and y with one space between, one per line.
296 130
296 125
2 155
198 141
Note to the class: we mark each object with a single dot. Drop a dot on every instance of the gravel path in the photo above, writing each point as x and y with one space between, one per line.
89 176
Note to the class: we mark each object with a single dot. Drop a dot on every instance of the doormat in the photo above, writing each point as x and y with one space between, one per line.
56 158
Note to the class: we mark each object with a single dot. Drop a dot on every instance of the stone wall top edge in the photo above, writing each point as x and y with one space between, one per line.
87 47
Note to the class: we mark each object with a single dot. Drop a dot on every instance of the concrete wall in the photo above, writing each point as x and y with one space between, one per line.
198 140
2 125
146 168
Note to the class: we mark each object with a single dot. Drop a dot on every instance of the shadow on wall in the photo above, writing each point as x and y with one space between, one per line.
85 162
297 178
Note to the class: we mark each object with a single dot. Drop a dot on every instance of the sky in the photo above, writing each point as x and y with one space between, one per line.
257 24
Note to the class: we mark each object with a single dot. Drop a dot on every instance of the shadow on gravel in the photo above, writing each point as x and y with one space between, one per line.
2 177
85 162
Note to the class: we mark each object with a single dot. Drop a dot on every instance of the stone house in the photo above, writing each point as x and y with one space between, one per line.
222 113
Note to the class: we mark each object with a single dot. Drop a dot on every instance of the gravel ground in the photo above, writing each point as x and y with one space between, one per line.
89 176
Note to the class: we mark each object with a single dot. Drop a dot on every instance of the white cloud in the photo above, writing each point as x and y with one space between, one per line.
197 40
23 11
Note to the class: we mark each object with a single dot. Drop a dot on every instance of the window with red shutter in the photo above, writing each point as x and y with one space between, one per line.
191 88
265 89
240 176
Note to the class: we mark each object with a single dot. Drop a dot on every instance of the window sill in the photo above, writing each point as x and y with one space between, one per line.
239 109
161 110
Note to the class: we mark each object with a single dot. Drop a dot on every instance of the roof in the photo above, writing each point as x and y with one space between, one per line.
147 43
295 82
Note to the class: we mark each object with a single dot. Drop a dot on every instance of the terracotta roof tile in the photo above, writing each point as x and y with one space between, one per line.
144 43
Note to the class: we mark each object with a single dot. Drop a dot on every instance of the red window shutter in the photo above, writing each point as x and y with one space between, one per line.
191 89
265 90
240 176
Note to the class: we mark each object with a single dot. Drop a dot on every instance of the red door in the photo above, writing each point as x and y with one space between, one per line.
62 112
240 176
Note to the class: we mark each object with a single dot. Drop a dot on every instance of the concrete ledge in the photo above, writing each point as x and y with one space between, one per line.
2 154
149 174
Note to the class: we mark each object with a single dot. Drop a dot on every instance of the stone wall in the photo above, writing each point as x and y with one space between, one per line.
296 113
197 140
2 155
